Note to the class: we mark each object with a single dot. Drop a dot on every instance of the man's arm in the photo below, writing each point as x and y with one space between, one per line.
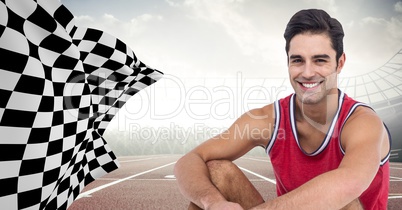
250 130
365 142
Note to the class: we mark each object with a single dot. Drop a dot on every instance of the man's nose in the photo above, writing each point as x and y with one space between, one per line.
308 70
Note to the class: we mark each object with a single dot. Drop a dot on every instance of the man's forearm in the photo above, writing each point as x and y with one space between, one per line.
332 190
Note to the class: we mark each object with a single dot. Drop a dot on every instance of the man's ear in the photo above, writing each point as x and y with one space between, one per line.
341 63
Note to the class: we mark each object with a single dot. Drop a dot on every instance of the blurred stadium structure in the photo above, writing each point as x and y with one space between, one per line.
381 89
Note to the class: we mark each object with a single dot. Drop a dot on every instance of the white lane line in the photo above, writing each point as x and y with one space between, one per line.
136 160
397 178
258 175
89 192
143 179
395 197
156 179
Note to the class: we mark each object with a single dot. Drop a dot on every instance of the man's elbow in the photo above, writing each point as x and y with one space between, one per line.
354 190
356 185
183 166
178 167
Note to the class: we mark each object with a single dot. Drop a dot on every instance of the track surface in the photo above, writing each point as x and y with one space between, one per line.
147 182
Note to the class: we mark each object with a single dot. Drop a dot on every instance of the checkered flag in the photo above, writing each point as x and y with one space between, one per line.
60 85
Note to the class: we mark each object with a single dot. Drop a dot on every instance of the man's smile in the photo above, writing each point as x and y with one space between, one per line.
309 85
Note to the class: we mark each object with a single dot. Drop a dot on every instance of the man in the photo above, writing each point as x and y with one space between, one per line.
327 150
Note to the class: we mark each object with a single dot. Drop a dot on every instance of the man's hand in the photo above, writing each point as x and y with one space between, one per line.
225 205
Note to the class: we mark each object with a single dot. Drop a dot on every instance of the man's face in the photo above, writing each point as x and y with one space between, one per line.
313 67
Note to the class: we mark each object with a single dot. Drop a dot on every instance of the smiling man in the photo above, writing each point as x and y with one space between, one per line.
327 150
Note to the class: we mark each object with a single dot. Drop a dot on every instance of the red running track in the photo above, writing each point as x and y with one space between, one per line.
147 182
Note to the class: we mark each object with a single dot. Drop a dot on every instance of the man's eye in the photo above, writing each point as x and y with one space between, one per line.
296 61
321 60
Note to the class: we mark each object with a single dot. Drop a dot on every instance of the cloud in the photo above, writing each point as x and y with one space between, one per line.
390 27
148 17
326 4
172 3
398 6
111 24
84 18
373 20
226 36
110 19
223 12
394 27
370 42
229 14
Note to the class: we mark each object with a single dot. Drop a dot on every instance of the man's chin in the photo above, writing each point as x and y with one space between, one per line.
310 101
309 97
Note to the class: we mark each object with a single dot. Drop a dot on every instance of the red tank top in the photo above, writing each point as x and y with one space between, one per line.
294 167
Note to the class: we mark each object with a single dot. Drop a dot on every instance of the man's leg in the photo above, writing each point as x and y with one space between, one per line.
233 184
354 205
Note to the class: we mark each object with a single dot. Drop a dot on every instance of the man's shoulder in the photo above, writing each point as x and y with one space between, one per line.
363 119
265 114
265 110
363 112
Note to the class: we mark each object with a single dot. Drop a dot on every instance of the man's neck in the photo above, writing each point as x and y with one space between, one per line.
320 113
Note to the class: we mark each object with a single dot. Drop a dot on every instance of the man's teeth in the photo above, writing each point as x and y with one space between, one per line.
310 85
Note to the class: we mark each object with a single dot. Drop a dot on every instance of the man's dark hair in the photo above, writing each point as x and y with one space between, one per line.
315 21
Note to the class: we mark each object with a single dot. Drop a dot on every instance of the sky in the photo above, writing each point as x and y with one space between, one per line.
220 57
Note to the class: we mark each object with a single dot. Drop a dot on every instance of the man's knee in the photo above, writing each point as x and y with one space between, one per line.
218 165
222 172
222 168
233 183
